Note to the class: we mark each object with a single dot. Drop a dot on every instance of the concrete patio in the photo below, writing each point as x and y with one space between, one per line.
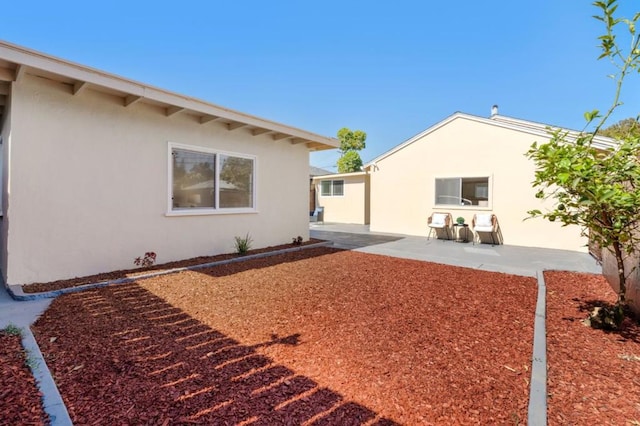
500 258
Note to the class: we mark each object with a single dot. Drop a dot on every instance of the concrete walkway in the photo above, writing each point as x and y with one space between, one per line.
501 258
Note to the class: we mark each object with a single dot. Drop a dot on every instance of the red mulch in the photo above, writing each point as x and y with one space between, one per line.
317 337
131 273
594 376
20 402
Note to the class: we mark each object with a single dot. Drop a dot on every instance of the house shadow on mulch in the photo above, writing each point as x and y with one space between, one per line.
630 328
193 262
122 354
266 262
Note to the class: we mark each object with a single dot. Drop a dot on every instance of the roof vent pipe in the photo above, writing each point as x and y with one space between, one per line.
494 110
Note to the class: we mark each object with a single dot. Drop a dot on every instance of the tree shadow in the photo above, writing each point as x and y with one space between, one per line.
145 361
630 327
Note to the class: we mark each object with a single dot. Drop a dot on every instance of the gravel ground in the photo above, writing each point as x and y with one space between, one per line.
315 337
594 376
20 402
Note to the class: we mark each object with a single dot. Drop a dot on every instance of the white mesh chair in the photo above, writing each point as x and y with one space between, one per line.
440 223
485 223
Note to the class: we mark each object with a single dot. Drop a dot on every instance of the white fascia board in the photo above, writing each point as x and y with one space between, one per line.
340 175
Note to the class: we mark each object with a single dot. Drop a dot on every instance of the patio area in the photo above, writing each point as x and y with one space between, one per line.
500 258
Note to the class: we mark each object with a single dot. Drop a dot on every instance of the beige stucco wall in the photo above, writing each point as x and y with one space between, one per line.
403 184
352 207
89 185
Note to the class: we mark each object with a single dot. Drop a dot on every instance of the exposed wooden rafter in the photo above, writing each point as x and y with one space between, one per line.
172 110
20 70
79 86
258 132
6 74
208 118
131 99
235 125
312 146
296 141
280 136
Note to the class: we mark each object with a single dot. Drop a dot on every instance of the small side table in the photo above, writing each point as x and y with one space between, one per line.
464 227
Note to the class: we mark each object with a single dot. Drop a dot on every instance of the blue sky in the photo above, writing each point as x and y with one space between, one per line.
390 69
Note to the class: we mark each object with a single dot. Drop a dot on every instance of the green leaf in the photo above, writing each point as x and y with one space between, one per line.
590 116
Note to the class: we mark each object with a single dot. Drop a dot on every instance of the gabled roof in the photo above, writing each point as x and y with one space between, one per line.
531 127
317 171
15 61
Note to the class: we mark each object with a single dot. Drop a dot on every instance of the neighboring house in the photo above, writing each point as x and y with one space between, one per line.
98 169
465 165
462 165
313 172
344 196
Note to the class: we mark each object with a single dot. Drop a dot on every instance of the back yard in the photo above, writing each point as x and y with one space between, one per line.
320 336
324 336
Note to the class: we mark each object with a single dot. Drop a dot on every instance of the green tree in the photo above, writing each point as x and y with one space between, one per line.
623 129
598 190
349 162
350 143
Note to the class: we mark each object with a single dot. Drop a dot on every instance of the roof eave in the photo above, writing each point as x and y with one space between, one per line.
15 61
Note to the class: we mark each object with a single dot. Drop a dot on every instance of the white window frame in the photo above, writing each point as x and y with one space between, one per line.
331 194
489 179
216 210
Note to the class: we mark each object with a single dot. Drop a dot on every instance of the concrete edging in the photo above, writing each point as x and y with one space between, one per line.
537 412
52 402
18 293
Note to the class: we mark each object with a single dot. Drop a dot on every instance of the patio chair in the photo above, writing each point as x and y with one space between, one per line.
317 215
485 223
440 222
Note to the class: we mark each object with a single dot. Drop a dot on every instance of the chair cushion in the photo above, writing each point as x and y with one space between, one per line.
438 220
484 221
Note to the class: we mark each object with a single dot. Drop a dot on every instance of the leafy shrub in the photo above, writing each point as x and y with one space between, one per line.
243 244
148 260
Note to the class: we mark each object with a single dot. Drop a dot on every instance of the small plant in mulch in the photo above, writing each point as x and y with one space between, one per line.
12 330
243 244
148 260
297 241
606 317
